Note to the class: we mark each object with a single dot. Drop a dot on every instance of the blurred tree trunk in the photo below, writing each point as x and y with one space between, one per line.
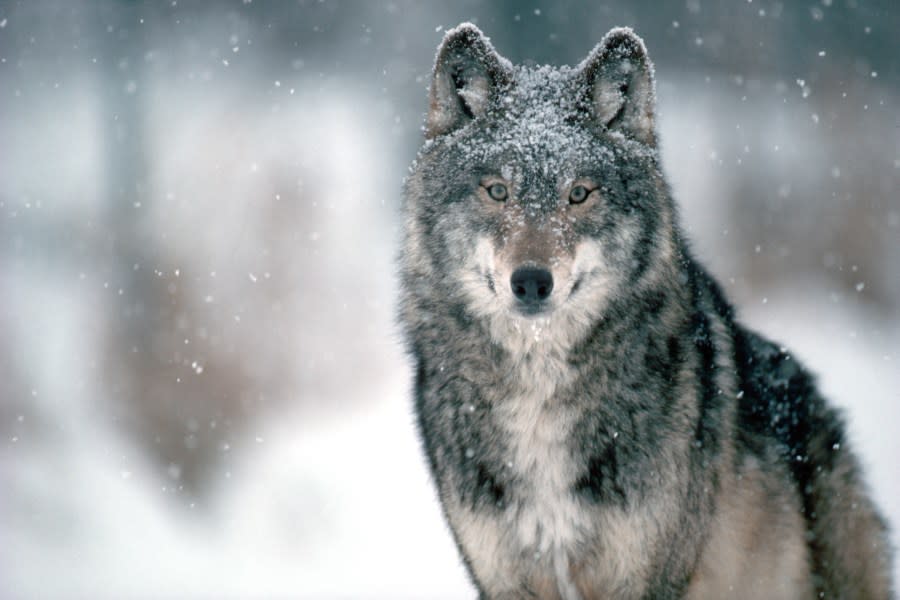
143 368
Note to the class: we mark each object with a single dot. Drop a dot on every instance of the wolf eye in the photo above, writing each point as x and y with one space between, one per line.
498 192
578 194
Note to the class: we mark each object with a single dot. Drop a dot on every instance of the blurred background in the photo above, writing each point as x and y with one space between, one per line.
203 392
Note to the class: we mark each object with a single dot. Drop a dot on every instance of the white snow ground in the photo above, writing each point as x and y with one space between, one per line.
342 509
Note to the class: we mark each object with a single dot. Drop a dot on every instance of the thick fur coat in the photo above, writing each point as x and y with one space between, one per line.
597 423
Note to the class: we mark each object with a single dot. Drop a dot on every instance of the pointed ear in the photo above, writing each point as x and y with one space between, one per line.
468 72
620 92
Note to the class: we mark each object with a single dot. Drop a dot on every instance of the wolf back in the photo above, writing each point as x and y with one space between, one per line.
596 421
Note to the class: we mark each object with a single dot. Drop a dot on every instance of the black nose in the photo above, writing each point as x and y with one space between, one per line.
531 284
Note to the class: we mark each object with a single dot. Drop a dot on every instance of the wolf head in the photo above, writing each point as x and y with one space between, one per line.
537 200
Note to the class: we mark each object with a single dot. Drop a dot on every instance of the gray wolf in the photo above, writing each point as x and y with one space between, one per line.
597 422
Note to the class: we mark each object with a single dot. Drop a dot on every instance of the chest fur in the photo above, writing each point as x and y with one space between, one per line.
533 533
544 514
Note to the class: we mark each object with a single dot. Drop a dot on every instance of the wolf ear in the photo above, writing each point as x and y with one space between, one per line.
620 91
467 74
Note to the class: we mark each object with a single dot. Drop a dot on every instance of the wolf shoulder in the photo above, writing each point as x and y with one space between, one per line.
795 514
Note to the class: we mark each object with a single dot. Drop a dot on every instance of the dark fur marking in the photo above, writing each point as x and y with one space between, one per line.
708 421
600 483
488 486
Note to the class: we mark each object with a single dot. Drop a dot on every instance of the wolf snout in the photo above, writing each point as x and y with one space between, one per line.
531 285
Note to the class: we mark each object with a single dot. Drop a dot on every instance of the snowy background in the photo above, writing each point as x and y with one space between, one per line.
202 390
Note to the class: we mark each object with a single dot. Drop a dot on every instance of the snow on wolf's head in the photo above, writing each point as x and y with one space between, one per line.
537 199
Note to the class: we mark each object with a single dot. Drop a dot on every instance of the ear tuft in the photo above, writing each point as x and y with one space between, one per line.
467 75
619 86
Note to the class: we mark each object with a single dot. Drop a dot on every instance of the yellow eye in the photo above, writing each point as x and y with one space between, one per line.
578 194
498 192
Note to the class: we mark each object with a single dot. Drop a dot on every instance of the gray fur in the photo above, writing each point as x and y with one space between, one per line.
628 439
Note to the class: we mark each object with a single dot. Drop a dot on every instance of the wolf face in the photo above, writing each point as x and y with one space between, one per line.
539 189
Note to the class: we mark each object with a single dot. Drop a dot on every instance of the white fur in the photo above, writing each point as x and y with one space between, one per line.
548 524
476 94
568 318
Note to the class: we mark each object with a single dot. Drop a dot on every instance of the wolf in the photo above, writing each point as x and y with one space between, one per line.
597 422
